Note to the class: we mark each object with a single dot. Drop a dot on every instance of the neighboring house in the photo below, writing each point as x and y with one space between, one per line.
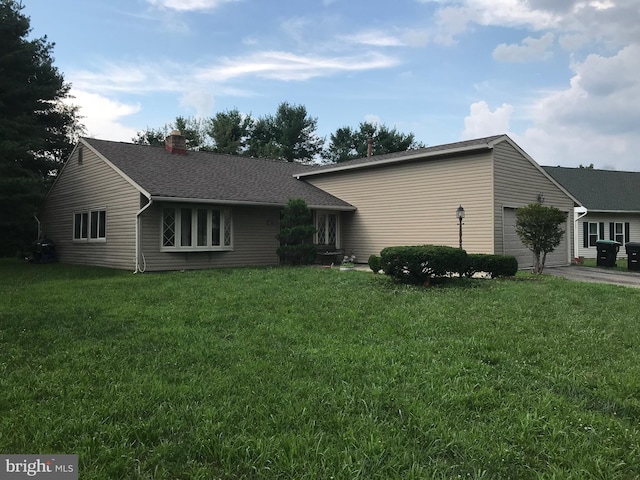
612 200
147 208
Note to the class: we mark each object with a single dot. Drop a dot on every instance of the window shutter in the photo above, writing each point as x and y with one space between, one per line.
585 234
601 231
626 232
612 231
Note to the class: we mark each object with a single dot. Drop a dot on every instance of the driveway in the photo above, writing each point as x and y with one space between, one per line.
596 275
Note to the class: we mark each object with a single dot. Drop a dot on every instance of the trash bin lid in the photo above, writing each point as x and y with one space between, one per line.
632 244
608 242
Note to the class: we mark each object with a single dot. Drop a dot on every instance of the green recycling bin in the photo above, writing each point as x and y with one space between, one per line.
633 255
607 253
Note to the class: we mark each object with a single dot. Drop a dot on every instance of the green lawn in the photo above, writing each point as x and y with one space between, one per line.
305 373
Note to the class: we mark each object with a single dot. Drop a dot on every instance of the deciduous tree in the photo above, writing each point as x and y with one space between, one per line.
539 229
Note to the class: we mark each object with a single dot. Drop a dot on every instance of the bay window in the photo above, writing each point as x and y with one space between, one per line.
196 229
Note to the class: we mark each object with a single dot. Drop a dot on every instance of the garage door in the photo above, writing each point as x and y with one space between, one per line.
513 245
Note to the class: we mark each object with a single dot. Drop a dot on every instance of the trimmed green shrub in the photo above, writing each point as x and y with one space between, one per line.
375 263
418 264
296 234
493 265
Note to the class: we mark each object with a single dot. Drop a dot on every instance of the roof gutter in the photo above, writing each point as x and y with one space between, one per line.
245 203
138 246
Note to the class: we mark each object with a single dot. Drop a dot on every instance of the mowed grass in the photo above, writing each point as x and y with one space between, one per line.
305 373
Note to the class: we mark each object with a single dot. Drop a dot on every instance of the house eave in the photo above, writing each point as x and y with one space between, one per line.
244 203
595 210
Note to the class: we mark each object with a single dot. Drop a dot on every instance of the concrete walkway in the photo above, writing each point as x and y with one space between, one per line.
596 275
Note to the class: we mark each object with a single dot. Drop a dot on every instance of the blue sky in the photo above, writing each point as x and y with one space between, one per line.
559 76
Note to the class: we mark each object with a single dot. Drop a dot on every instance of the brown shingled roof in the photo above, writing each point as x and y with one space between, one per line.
212 177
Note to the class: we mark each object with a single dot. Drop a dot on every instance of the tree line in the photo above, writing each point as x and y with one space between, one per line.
37 128
290 134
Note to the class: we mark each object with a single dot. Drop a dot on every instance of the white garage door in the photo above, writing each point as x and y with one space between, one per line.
513 245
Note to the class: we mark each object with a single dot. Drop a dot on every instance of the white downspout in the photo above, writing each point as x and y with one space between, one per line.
581 212
39 226
138 247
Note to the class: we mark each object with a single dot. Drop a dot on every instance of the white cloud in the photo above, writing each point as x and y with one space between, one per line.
102 117
576 22
376 38
594 120
288 66
602 97
372 119
131 78
482 122
386 38
198 100
531 49
189 5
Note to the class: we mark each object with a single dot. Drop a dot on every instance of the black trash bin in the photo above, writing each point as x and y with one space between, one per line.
607 253
633 255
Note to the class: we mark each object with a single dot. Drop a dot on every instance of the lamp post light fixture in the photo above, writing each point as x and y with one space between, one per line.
460 216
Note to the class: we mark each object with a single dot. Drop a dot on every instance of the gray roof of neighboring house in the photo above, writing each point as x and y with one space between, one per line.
600 190
436 150
213 177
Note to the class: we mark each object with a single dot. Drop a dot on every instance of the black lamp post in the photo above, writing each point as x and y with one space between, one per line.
460 216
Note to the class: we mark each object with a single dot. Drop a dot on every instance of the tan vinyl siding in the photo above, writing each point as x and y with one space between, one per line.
518 183
254 242
415 203
92 185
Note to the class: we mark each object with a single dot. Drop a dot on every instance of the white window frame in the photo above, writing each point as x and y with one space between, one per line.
83 232
598 233
621 234
327 213
225 236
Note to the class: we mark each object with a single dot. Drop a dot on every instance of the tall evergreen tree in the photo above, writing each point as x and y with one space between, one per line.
230 131
288 135
295 133
37 129
347 143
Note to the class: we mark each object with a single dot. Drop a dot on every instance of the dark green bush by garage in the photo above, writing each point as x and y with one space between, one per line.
418 264
493 265
375 263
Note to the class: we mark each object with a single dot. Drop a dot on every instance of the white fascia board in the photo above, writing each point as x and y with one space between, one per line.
635 212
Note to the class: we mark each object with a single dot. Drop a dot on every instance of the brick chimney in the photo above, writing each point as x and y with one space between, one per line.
369 146
175 143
